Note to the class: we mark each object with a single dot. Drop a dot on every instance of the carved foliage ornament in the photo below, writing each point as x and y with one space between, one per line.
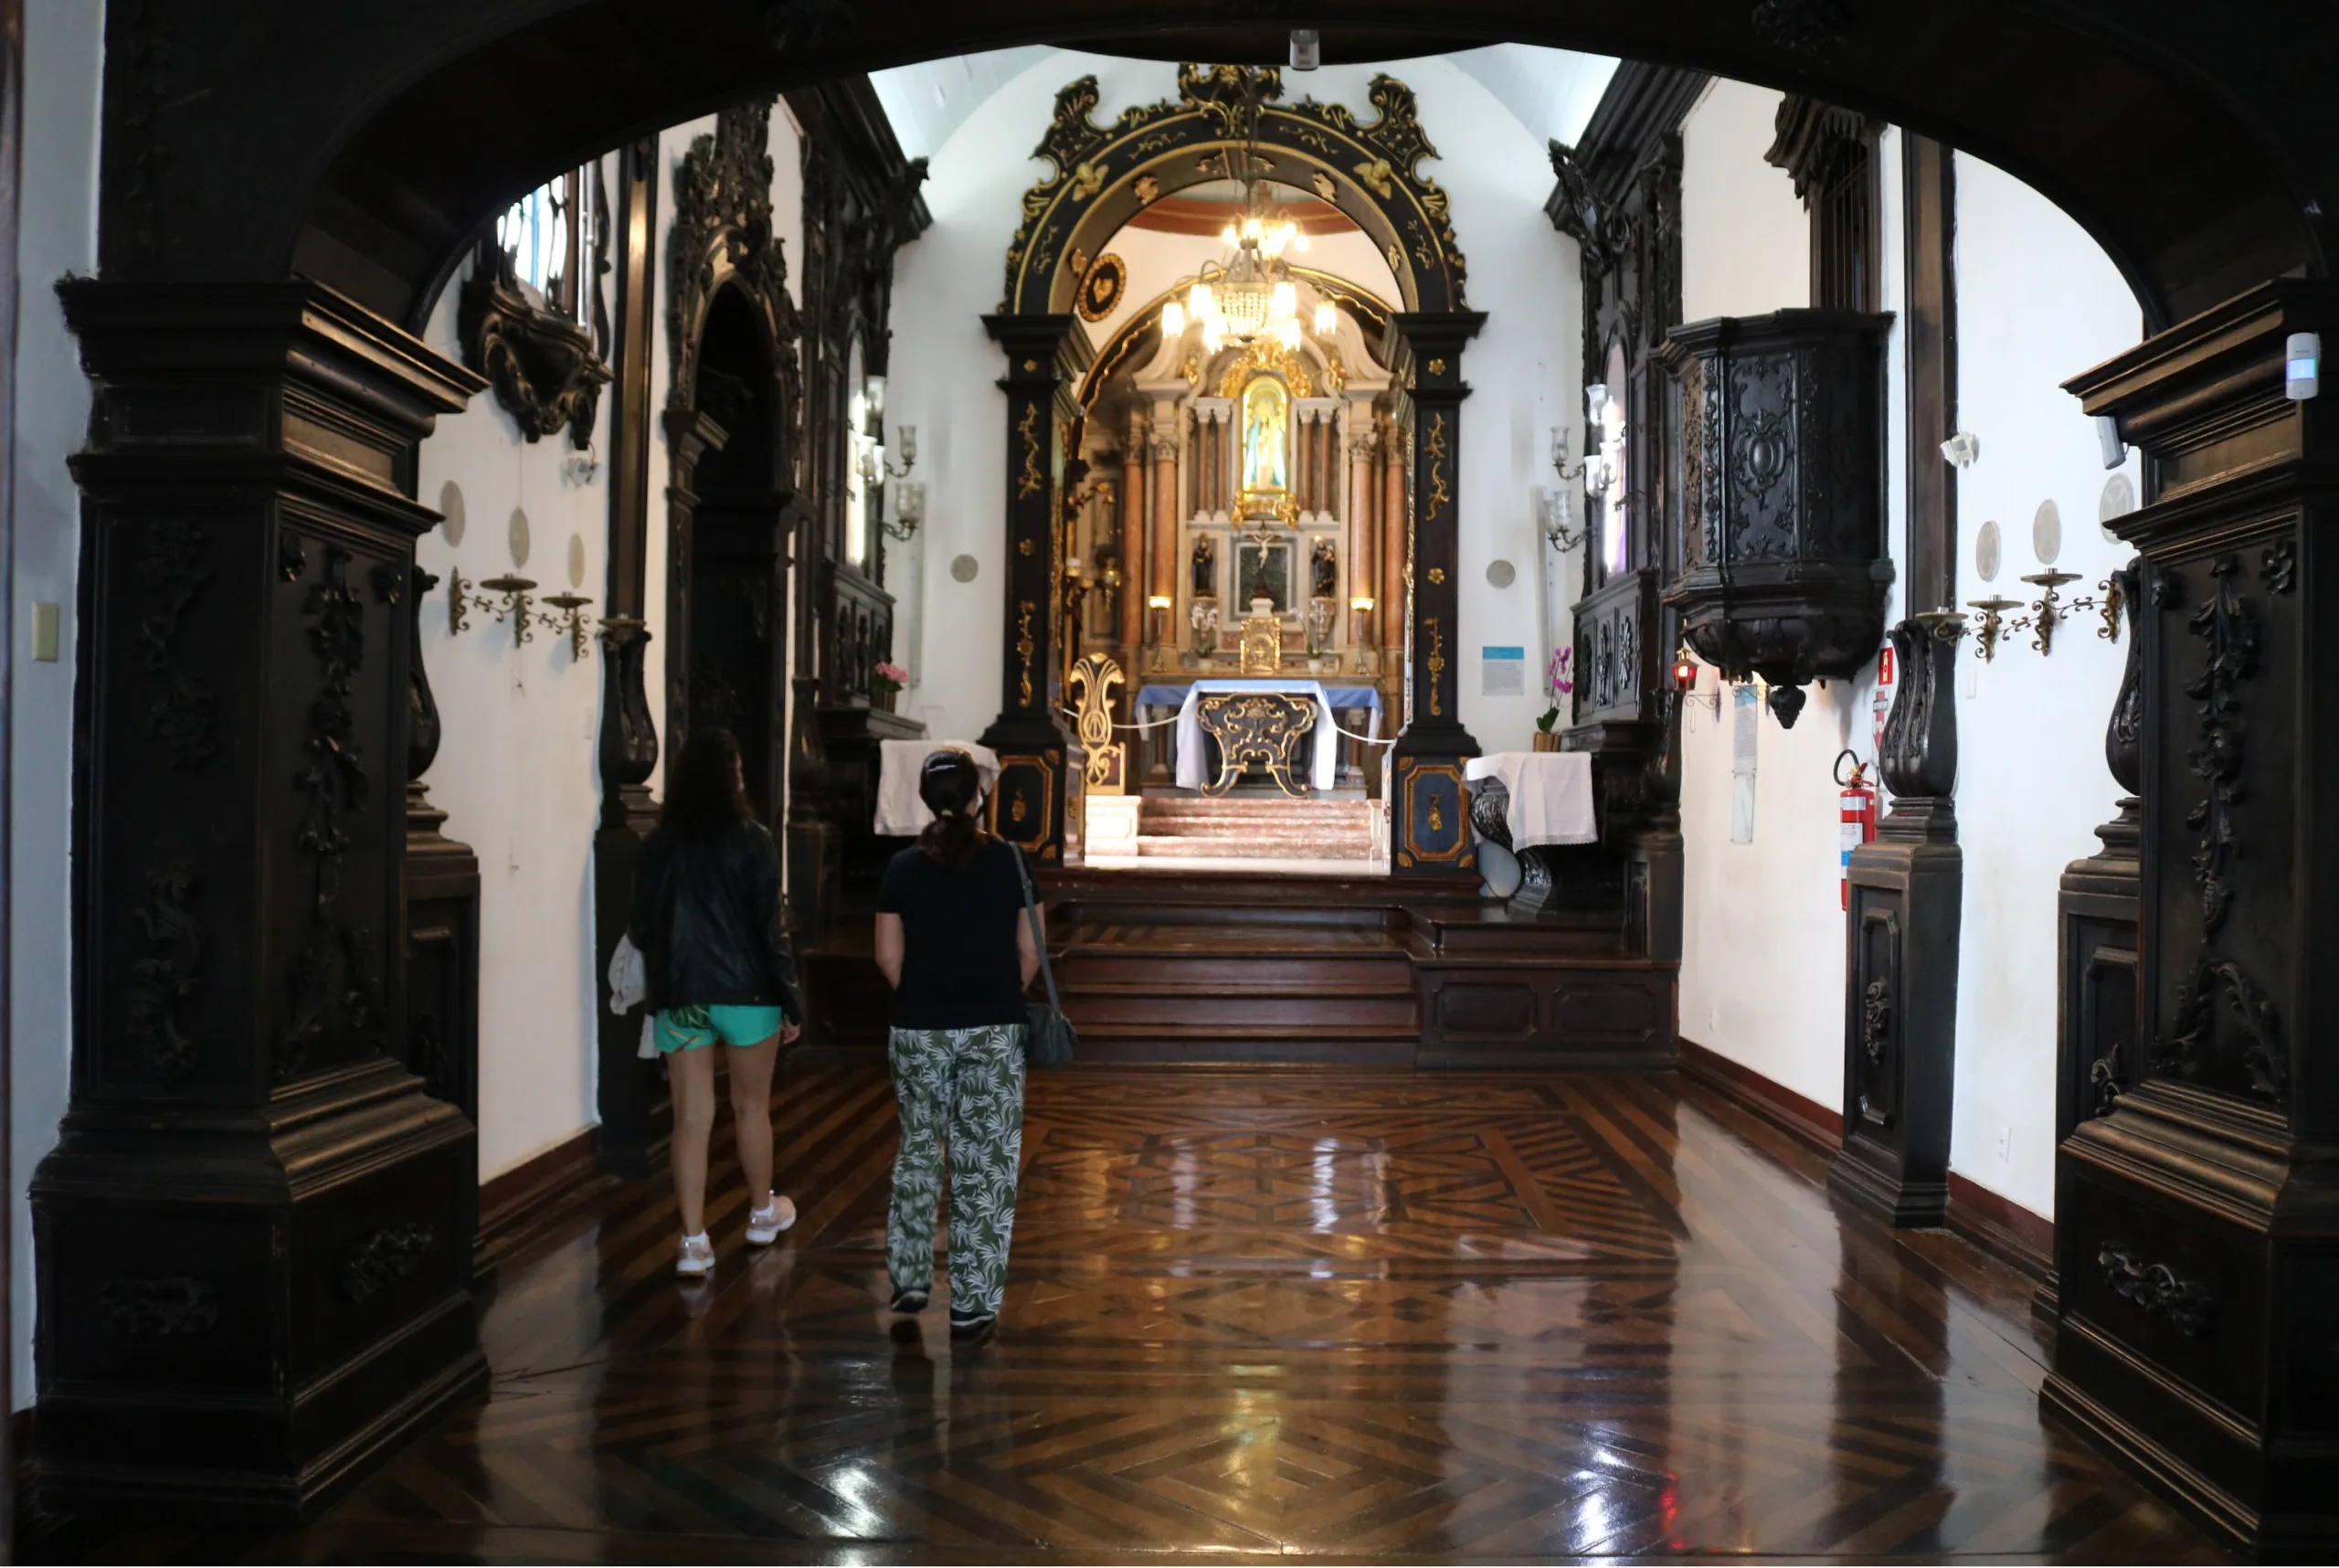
1087 164
545 368
2159 1290
144 1308
2222 1019
722 228
331 986
383 1258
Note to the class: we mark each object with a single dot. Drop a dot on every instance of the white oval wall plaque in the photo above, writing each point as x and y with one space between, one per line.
519 538
964 567
1502 574
576 560
2046 532
451 502
1985 552
2118 500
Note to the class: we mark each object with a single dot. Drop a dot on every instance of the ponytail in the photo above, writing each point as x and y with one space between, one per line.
949 785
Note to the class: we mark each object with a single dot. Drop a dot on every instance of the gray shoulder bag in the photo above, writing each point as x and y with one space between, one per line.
1049 1039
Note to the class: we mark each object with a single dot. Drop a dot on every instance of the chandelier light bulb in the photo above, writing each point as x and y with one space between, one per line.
1299 241
1286 305
1174 320
1251 227
1227 235
1328 320
1288 334
1200 302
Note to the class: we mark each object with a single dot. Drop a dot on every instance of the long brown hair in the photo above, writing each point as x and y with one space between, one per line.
704 791
949 785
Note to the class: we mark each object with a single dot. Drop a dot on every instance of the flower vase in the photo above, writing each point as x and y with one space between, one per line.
1547 740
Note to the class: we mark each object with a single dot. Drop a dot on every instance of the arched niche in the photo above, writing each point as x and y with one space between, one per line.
1102 177
733 414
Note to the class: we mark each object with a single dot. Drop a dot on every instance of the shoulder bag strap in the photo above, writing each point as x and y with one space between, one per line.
1039 936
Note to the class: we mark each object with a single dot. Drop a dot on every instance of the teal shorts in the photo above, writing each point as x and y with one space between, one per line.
688 1028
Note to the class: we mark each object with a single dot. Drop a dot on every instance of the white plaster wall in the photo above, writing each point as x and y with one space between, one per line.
1523 366
58 233
515 770
1745 240
1762 939
2037 303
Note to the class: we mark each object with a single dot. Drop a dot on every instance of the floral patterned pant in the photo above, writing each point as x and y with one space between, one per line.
965 1085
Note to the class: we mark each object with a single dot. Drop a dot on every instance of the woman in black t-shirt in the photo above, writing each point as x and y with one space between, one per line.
955 946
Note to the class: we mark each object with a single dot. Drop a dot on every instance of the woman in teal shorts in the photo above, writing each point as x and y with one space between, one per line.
706 918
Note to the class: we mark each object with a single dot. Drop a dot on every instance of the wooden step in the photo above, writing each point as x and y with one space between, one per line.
1245 1013
1165 973
1253 847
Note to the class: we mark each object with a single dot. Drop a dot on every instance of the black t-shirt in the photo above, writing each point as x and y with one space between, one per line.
959 965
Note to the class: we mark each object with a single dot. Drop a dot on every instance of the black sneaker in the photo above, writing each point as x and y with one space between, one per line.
909 1301
971 1325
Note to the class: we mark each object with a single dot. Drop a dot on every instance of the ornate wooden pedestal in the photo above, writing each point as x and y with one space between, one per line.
254 1235
1900 958
2095 1024
2196 1227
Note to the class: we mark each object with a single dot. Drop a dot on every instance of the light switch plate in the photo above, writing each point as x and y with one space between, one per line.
49 621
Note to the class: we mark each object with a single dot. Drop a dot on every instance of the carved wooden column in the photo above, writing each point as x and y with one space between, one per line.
2095 1014
2196 1227
628 1090
254 1234
440 887
1901 936
1045 357
1429 819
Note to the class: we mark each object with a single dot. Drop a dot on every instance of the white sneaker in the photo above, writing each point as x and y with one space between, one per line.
764 1225
696 1259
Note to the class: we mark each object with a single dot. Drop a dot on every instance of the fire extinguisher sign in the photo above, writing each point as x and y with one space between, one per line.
1883 703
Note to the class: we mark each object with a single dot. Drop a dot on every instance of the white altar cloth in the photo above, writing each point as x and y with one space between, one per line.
1324 764
1550 795
900 813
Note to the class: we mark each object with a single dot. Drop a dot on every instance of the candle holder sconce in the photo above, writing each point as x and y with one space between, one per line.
2107 601
568 620
2046 612
1993 627
514 605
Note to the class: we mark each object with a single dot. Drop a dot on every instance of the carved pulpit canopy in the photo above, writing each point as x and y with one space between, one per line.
1782 492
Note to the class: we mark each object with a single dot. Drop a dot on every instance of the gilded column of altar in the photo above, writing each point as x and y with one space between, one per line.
1163 576
1394 609
1364 535
1133 550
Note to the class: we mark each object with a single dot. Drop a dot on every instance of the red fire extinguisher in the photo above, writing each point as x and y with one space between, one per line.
1856 809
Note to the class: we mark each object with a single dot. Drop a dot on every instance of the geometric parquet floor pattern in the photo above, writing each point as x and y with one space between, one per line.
1260 1315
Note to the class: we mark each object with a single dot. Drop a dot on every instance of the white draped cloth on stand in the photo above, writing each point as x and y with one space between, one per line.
1550 795
900 813
1324 765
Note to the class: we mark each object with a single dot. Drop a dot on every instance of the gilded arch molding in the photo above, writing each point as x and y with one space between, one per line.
1101 176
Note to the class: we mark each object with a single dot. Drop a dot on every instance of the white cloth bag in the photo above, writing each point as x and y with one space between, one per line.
628 988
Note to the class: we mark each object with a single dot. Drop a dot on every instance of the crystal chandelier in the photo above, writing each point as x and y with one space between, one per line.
1248 296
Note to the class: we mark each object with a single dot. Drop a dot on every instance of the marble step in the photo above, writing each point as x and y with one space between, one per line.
1252 826
1255 847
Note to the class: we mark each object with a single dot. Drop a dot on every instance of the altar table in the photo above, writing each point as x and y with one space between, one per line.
1323 759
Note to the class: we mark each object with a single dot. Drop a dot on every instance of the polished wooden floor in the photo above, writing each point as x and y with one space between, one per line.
1261 1314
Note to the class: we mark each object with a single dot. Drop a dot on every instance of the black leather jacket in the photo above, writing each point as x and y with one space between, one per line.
706 918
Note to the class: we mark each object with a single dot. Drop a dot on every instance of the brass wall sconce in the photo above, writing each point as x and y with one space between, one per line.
1993 627
514 607
1361 606
2046 612
2109 602
569 618
517 605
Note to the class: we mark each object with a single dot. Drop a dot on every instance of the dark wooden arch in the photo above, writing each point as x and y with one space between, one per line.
722 239
1102 177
